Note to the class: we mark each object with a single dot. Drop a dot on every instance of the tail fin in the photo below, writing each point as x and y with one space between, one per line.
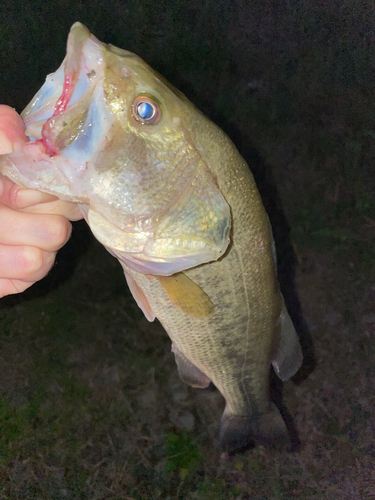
240 432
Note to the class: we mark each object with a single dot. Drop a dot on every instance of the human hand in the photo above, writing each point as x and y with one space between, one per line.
33 225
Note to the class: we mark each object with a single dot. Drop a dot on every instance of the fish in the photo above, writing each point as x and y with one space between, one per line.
168 194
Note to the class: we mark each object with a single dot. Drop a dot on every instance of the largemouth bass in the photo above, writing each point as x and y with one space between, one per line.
168 194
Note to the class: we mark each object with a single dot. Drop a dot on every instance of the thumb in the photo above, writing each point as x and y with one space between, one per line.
12 130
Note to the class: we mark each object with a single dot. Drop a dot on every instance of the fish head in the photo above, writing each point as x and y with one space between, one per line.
109 133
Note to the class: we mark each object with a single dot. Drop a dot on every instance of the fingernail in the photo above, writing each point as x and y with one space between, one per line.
29 197
6 145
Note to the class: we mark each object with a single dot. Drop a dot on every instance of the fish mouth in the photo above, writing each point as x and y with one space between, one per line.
58 113
67 122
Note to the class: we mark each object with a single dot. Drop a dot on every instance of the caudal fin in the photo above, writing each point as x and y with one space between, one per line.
239 432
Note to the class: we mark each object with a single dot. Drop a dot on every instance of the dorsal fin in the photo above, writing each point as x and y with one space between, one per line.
186 295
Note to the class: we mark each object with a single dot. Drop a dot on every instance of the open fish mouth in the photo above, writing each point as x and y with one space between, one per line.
67 122
69 108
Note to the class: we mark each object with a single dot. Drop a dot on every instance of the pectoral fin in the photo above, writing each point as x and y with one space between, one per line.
289 357
188 372
186 295
139 297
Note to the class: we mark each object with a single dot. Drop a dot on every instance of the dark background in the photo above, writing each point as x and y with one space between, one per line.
90 402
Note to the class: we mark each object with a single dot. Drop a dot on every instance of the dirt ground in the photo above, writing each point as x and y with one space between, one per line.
91 405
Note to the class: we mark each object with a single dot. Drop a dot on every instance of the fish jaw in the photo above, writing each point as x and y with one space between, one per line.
67 122
31 167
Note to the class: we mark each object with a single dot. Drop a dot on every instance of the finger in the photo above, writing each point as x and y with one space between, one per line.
16 197
12 130
69 210
24 263
9 287
30 197
47 232
22 198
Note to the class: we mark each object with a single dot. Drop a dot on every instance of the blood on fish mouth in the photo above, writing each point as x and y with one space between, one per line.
60 106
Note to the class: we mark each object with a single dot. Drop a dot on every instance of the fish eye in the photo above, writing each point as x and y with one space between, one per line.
146 109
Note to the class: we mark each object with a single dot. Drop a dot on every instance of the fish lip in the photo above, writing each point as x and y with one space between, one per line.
77 74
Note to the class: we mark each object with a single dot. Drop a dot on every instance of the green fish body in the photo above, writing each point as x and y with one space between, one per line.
168 194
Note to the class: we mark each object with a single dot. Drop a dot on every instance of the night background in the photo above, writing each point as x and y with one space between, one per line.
91 406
